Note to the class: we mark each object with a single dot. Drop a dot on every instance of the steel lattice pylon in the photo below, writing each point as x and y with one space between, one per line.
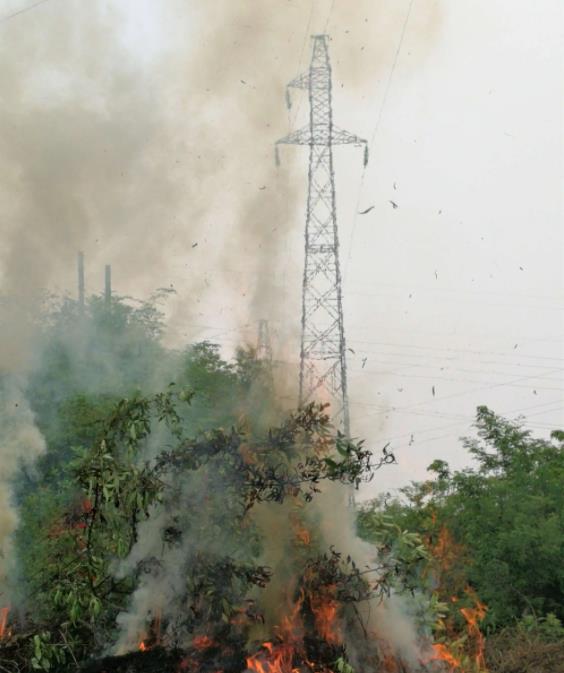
323 369
264 348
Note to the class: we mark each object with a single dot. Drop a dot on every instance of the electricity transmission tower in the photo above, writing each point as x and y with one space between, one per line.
81 288
264 353
108 286
323 369
264 348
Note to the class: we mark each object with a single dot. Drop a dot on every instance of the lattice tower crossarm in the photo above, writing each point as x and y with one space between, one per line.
323 369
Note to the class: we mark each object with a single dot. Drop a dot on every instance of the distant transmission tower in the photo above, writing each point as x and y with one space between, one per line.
264 348
264 353
108 286
80 270
323 368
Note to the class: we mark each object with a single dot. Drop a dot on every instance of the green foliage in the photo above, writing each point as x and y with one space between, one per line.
46 656
227 392
98 350
505 515
85 360
401 549
548 628
138 467
342 666
406 561
509 513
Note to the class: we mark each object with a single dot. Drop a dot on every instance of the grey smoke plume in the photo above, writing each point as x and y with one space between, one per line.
162 569
20 444
388 621
133 158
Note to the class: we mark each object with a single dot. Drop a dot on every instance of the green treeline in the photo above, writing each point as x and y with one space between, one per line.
504 517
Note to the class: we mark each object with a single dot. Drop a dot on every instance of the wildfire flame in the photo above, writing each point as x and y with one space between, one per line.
442 653
152 637
448 554
4 612
287 653
273 659
446 551
325 609
202 642
473 616
303 536
301 533
279 657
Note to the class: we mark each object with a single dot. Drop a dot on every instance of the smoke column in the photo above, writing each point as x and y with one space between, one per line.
134 154
162 161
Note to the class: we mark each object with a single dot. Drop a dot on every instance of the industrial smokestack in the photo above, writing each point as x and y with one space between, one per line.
108 286
81 280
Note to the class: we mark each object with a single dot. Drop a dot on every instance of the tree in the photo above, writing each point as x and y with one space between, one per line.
504 518
194 494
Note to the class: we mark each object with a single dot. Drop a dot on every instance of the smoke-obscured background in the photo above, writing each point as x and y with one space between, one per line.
142 133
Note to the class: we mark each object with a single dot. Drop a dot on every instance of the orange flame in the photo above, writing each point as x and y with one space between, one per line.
4 612
303 536
473 616
325 609
450 576
142 646
273 659
156 626
442 653
446 551
202 642
300 531
279 657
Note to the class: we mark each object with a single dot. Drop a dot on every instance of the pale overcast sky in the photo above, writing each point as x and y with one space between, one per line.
453 299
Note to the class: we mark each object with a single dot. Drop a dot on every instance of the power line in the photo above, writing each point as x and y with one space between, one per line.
376 127
457 350
459 394
463 422
424 362
536 306
329 16
293 117
435 367
451 354
461 380
460 290
450 434
22 11
452 416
